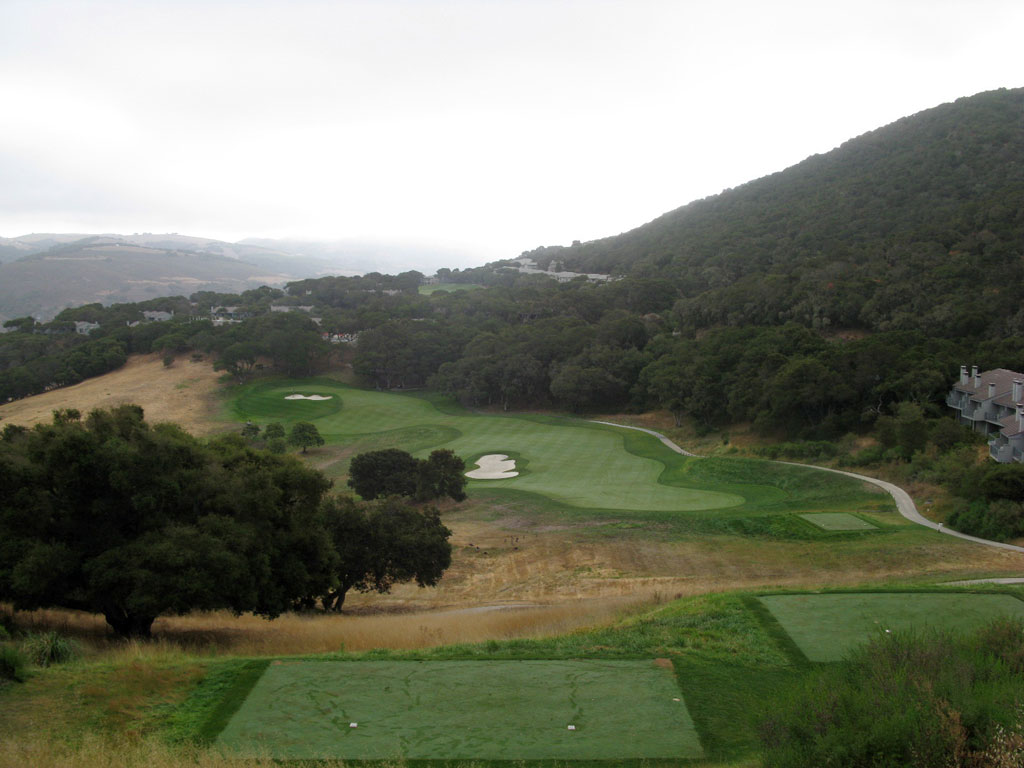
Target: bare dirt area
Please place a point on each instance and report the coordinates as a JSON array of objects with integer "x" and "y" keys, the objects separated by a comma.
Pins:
[{"x": 184, "y": 393}]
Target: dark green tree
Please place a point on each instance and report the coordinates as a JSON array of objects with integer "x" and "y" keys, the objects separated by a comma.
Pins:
[
  {"x": 251, "y": 430},
  {"x": 113, "y": 516},
  {"x": 388, "y": 472},
  {"x": 442, "y": 474},
  {"x": 383, "y": 543},
  {"x": 304, "y": 434},
  {"x": 239, "y": 360}
]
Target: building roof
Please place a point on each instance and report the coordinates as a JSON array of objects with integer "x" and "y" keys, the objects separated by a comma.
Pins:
[
  {"x": 1003, "y": 379},
  {"x": 1010, "y": 426}
]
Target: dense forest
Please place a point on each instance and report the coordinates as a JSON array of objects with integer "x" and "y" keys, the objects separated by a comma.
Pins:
[
  {"x": 917, "y": 225},
  {"x": 809, "y": 302}
]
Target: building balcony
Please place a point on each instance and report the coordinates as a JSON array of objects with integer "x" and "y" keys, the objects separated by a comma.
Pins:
[
  {"x": 1001, "y": 452},
  {"x": 955, "y": 401}
]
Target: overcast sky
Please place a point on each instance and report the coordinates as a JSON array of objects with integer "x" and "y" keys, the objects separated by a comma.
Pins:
[{"x": 491, "y": 125}]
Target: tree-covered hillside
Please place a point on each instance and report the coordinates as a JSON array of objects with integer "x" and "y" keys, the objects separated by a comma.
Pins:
[
  {"x": 917, "y": 225},
  {"x": 910, "y": 235}
]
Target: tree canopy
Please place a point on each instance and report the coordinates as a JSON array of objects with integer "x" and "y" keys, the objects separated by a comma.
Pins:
[
  {"x": 134, "y": 521},
  {"x": 394, "y": 472},
  {"x": 304, "y": 435},
  {"x": 383, "y": 543}
]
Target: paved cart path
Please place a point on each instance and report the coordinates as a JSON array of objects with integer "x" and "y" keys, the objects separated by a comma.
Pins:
[{"x": 904, "y": 503}]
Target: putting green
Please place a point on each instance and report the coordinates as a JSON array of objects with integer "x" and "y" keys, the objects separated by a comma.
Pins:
[
  {"x": 827, "y": 627},
  {"x": 838, "y": 521},
  {"x": 463, "y": 710},
  {"x": 577, "y": 463}
]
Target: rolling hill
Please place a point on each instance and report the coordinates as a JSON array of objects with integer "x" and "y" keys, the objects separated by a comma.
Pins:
[
  {"x": 110, "y": 269},
  {"x": 918, "y": 224}
]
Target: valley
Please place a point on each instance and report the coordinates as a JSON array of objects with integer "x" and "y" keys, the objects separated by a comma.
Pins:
[{"x": 587, "y": 581}]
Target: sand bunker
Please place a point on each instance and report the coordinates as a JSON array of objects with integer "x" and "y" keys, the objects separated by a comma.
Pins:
[
  {"x": 493, "y": 466},
  {"x": 308, "y": 397}
]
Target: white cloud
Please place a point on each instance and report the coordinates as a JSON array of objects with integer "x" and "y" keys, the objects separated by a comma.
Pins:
[{"x": 501, "y": 124}]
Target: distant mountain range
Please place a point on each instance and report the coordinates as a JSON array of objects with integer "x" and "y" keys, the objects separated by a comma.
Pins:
[{"x": 41, "y": 274}]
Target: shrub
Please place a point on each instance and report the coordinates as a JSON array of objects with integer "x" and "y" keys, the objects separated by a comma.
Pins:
[
  {"x": 12, "y": 664},
  {"x": 871, "y": 455},
  {"x": 904, "y": 701},
  {"x": 999, "y": 521},
  {"x": 808, "y": 449},
  {"x": 49, "y": 648}
]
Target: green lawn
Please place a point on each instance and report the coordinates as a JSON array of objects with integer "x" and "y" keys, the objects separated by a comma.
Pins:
[
  {"x": 452, "y": 710},
  {"x": 570, "y": 461},
  {"x": 838, "y": 521},
  {"x": 827, "y": 626}
]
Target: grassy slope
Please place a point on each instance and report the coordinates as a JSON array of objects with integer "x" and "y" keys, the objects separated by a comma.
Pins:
[{"x": 728, "y": 653}]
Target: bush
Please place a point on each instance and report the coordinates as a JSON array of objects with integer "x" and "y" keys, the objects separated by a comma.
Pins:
[
  {"x": 871, "y": 455},
  {"x": 808, "y": 449},
  {"x": 999, "y": 521},
  {"x": 905, "y": 701},
  {"x": 12, "y": 664},
  {"x": 49, "y": 648}
]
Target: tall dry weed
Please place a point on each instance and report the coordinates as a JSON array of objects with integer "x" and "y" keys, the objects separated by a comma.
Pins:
[
  {"x": 98, "y": 752},
  {"x": 221, "y": 632}
]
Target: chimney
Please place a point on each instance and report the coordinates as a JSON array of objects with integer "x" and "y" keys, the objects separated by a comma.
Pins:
[
  {"x": 963, "y": 375},
  {"x": 991, "y": 390},
  {"x": 976, "y": 376},
  {"x": 1018, "y": 390}
]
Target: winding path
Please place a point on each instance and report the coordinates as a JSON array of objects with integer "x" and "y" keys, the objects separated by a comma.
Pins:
[
  {"x": 658, "y": 435},
  {"x": 904, "y": 503}
]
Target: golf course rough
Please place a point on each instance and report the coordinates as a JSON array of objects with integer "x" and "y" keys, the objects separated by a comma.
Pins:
[
  {"x": 462, "y": 710},
  {"x": 826, "y": 627}
]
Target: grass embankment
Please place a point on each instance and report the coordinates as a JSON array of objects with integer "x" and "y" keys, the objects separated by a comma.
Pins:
[
  {"x": 729, "y": 654},
  {"x": 186, "y": 393},
  {"x": 711, "y": 631}
]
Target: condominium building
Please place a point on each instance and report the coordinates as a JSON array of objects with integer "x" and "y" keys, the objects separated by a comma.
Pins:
[{"x": 992, "y": 402}]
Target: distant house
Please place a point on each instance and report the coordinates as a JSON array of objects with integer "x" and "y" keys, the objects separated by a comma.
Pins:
[
  {"x": 84, "y": 327},
  {"x": 992, "y": 402},
  {"x": 340, "y": 338},
  {"x": 289, "y": 308},
  {"x": 152, "y": 316},
  {"x": 224, "y": 315},
  {"x": 529, "y": 266}
]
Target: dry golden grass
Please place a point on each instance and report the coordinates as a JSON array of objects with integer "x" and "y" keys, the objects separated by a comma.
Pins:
[
  {"x": 93, "y": 751},
  {"x": 221, "y": 632},
  {"x": 185, "y": 393},
  {"x": 555, "y": 582}
]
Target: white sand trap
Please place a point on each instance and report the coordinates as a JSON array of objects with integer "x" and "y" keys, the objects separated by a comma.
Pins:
[
  {"x": 308, "y": 397},
  {"x": 493, "y": 466}
]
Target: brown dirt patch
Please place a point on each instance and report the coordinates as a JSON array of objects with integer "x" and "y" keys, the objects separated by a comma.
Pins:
[
  {"x": 663, "y": 663},
  {"x": 185, "y": 393}
]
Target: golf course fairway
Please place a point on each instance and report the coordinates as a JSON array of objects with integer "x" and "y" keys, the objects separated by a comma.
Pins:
[{"x": 573, "y": 462}]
